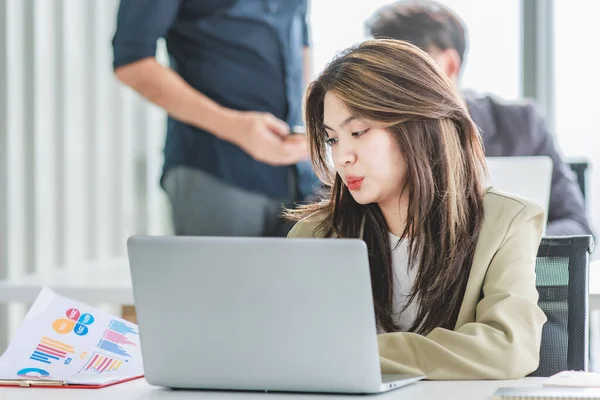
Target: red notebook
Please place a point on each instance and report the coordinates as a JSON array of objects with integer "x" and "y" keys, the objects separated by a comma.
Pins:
[{"x": 67, "y": 384}]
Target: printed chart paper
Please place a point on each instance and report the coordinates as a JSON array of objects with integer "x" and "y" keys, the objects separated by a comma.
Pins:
[{"x": 61, "y": 339}]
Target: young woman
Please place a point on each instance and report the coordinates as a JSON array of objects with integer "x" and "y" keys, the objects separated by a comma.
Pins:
[{"x": 452, "y": 262}]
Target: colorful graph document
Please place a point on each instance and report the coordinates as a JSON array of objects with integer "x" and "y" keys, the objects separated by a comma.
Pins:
[{"x": 65, "y": 341}]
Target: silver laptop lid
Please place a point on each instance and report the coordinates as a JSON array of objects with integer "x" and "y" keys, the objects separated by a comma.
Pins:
[{"x": 255, "y": 313}]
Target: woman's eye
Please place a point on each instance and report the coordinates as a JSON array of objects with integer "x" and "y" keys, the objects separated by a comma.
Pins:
[
  {"x": 359, "y": 133},
  {"x": 331, "y": 141}
]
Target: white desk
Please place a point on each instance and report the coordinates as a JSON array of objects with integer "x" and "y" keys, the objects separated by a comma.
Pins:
[
  {"x": 109, "y": 281},
  {"x": 98, "y": 282},
  {"x": 449, "y": 390}
]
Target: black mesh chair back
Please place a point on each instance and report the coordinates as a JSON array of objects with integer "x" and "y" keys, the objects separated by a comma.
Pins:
[{"x": 562, "y": 282}]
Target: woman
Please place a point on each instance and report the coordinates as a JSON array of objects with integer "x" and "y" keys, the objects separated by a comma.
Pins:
[{"x": 452, "y": 263}]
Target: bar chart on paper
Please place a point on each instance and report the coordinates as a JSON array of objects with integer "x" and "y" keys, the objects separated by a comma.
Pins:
[
  {"x": 49, "y": 350},
  {"x": 119, "y": 338},
  {"x": 101, "y": 363}
]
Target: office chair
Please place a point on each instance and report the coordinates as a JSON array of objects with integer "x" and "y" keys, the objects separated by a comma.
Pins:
[
  {"x": 562, "y": 281},
  {"x": 579, "y": 167}
]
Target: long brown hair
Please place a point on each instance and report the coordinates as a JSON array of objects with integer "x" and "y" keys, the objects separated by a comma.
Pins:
[{"x": 399, "y": 87}]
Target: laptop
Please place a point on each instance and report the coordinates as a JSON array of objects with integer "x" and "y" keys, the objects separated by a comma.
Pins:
[
  {"x": 526, "y": 177},
  {"x": 257, "y": 314}
]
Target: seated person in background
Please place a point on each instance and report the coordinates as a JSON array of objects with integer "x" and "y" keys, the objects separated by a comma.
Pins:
[
  {"x": 508, "y": 129},
  {"x": 452, "y": 263}
]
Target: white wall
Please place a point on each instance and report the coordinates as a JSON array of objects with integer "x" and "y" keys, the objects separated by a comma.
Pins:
[
  {"x": 577, "y": 85},
  {"x": 80, "y": 155},
  {"x": 494, "y": 57}
]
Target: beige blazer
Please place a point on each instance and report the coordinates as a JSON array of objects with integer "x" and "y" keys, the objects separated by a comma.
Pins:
[{"x": 499, "y": 327}]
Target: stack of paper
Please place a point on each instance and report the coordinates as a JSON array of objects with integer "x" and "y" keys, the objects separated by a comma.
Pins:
[
  {"x": 574, "y": 379},
  {"x": 564, "y": 385}
]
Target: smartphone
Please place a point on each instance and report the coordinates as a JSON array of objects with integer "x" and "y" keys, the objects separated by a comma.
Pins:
[{"x": 297, "y": 130}]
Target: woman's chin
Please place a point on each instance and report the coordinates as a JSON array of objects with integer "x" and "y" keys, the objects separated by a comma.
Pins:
[{"x": 361, "y": 198}]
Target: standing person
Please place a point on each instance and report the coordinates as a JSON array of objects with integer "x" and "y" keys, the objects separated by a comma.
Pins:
[{"x": 232, "y": 92}]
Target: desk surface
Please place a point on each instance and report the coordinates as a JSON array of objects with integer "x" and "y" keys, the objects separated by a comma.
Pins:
[
  {"x": 451, "y": 390},
  {"x": 109, "y": 281}
]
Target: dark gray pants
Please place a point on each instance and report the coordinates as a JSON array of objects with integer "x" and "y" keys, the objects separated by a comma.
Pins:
[{"x": 203, "y": 205}]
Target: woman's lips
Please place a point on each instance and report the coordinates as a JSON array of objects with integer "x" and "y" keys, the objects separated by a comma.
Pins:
[{"x": 354, "y": 183}]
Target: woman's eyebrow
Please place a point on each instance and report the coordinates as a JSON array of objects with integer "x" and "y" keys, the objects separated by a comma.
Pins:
[{"x": 343, "y": 124}]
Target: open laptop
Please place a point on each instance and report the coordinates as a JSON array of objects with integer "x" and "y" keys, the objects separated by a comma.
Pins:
[
  {"x": 264, "y": 314},
  {"x": 527, "y": 177}
]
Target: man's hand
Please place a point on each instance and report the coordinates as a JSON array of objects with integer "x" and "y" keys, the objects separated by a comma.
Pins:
[{"x": 265, "y": 137}]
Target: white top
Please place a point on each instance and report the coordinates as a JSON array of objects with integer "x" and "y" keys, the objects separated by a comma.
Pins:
[{"x": 404, "y": 279}]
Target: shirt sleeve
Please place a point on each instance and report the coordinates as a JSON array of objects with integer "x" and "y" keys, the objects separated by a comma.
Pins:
[{"x": 140, "y": 23}]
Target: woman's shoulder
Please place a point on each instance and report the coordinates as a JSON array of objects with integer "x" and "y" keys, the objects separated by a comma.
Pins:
[
  {"x": 310, "y": 226},
  {"x": 502, "y": 208}
]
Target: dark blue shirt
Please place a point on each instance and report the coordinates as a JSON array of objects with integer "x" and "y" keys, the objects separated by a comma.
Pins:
[{"x": 243, "y": 54}]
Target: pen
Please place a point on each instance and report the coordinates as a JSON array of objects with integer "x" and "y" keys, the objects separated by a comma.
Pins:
[{"x": 32, "y": 382}]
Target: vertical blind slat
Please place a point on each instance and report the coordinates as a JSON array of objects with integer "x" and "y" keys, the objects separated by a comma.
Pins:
[{"x": 44, "y": 137}]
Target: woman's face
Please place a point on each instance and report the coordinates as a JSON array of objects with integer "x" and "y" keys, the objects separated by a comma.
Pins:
[{"x": 367, "y": 158}]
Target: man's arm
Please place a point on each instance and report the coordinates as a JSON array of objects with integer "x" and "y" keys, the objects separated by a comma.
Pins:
[
  {"x": 134, "y": 47},
  {"x": 165, "y": 88},
  {"x": 566, "y": 214}
]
